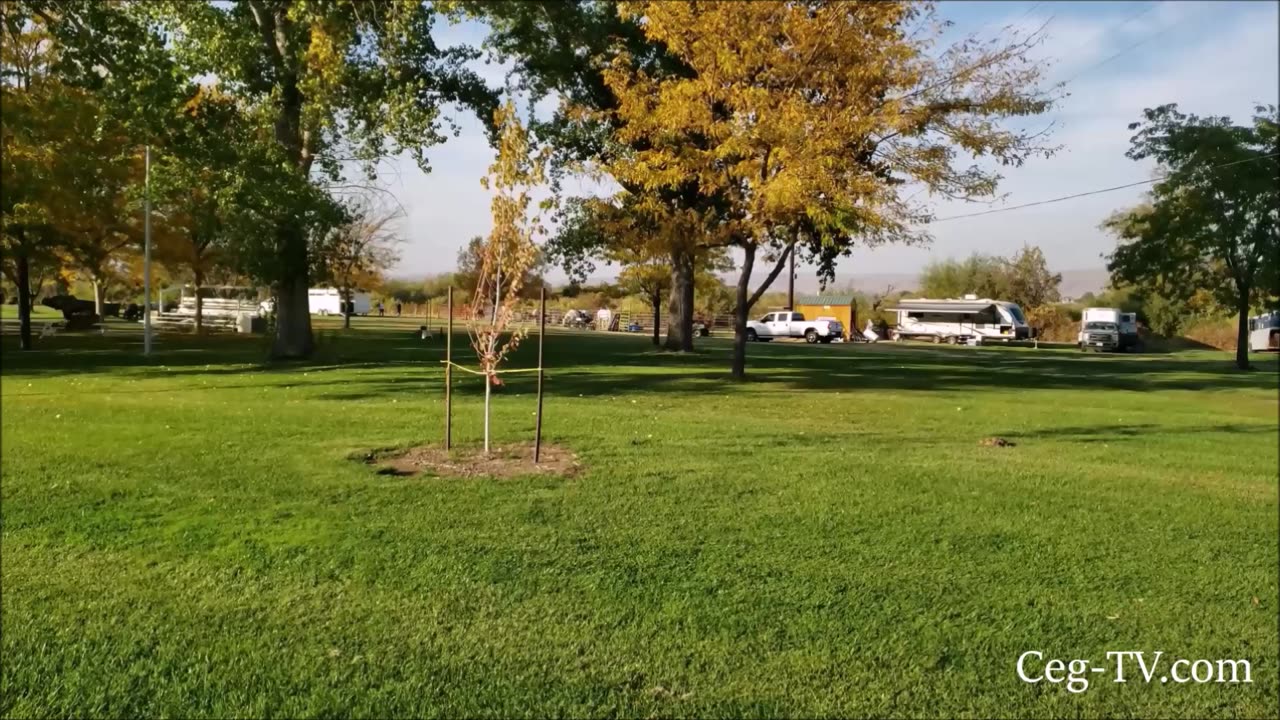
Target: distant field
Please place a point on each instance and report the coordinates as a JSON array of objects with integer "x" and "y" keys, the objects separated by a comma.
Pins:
[{"x": 188, "y": 536}]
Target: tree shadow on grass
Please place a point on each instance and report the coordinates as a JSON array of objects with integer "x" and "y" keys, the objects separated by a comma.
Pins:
[
  {"x": 1136, "y": 431},
  {"x": 590, "y": 365}
]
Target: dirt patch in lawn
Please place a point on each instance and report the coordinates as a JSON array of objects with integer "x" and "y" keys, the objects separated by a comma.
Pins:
[{"x": 507, "y": 461}]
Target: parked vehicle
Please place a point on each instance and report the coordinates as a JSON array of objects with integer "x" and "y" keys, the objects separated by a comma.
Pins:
[
  {"x": 1100, "y": 336},
  {"x": 783, "y": 324},
  {"x": 971, "y": 320},
  {"x": 328, "y": 301},
  {"x": 1264, "y": 332},
  {"x": 1126, "y": 328},
  {"x": 576, "y": 319}
]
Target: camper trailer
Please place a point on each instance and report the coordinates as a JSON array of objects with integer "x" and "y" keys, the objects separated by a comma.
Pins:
[
  {"x": 328, "y": 301},
  {"x": 971, "y": 320},
  {"x": 1264, "y": 332}
]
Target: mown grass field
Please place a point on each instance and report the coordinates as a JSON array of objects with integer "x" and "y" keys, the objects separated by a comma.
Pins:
[{"x": 188, "y": 537}]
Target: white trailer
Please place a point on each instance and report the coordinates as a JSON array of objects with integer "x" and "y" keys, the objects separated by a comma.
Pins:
[
  {"x": 1264, "y": 332},
  {"x": 971, "y": 320},
  {"x": 328, "y": 301}
]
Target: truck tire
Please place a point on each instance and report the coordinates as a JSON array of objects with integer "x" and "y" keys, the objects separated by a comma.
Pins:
[
  {"x": 752, "y": 336},
  {"x": 811, "y": 336}
]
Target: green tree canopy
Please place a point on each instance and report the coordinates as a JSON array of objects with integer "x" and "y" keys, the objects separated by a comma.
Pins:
[
  {"x": 329, "y": 84},
  {"x": 1213, "y": 221}
]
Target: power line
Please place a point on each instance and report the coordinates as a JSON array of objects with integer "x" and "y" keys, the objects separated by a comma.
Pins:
[
  {"x": 1113, "y": 28},
  {"x": 1129, "y": 49},
  {"x": 1091, "y": 192}
]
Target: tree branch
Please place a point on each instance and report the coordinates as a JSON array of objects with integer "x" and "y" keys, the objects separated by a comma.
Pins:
[{"x": 773, "y": 274}]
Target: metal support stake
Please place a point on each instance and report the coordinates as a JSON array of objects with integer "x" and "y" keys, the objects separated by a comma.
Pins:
[
  {"x": 542, "y": 334},
  {"x": 448, "y": 378}
]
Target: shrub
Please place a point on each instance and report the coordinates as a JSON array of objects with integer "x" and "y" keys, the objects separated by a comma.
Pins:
[{"x": 1054, "y": 323}]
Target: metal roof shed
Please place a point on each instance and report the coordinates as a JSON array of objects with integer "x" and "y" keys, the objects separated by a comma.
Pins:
[{"x": 842, "y": 307}]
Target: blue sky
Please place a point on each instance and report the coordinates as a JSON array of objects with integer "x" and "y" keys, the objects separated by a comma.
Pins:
[{"x": 1209, "y": 57}]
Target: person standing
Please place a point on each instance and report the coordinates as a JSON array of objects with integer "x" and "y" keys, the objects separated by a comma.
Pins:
[
  {"x": 604, "y": 317},
  {"x": 397, "y": 308},
  {"x": 381, "y": 312}
]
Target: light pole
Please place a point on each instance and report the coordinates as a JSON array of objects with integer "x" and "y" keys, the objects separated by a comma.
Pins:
[{"x": 146, "y": 255}]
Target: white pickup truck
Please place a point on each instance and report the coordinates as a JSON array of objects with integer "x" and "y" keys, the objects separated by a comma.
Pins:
[{"x": 784, "y": 324}]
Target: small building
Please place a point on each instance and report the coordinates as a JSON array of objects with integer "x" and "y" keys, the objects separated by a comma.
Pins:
[{"x": 841, "y": 307}]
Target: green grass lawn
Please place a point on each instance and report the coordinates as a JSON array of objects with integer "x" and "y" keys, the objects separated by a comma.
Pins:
[
  {"x": 39, "y": 314},
  {"x": 188, "y": 536}
]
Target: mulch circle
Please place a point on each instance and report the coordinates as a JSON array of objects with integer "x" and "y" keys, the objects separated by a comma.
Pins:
[{"x": 507, "y": 461}]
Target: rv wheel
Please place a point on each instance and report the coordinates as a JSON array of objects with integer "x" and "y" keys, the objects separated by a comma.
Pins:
[
  {"x": 936, "y": 339},
  {"x": 951, "y": 339}
]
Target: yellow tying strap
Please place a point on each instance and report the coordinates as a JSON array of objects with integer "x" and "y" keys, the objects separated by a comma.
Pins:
[{"x": 495, "y": 372}]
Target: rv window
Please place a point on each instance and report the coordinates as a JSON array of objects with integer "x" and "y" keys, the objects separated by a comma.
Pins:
[{"x": 915, "y": 315}]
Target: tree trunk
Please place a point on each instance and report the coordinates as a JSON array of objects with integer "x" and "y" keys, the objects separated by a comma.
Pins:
[
  {"x": 680, "y": 318},
  {"x": 1242, "y": 331},
  {"x": 198, "y": 281},
  {"x": 657, "y": 317},
  {"x": 99, "y": 293},
  {"x": 293, "y": 310},
  {"x": 24, "y": 296},
  {"x": 741, "y": 309}
]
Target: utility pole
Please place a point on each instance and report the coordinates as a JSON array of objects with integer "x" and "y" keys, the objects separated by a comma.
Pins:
[{"x": 146, "y": 256}]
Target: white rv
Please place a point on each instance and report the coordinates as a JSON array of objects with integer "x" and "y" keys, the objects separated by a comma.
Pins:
[
  {"x": 328, "y": 301},
  {"x": 971, "y": 320},
  {"x": 1264, "y": 332}
]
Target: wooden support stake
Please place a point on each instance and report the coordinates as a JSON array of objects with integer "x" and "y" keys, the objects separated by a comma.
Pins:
[
  {"x": 448, "y": 378},
  {"x": 542, "y": 334}
]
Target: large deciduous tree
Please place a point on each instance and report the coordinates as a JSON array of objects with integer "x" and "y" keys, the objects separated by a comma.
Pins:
[
  {"x": 979, "y": 274},
  {"x": 355, "y": 254},
  {"x": 330, "y": 82},
  {"x": 563, "y": 48},
  {"x": 1213, "y": 221},
  {"x": 199, "y": 188},
  {"x": 1024, "y": 278},
  {"x": 41, "y": 120},
  {"x": 1031, "y": 283},
  {"x": 651, "y": 281},
  {"x": 804, "y": 120},
  {"x": 641, "y": 230}
]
